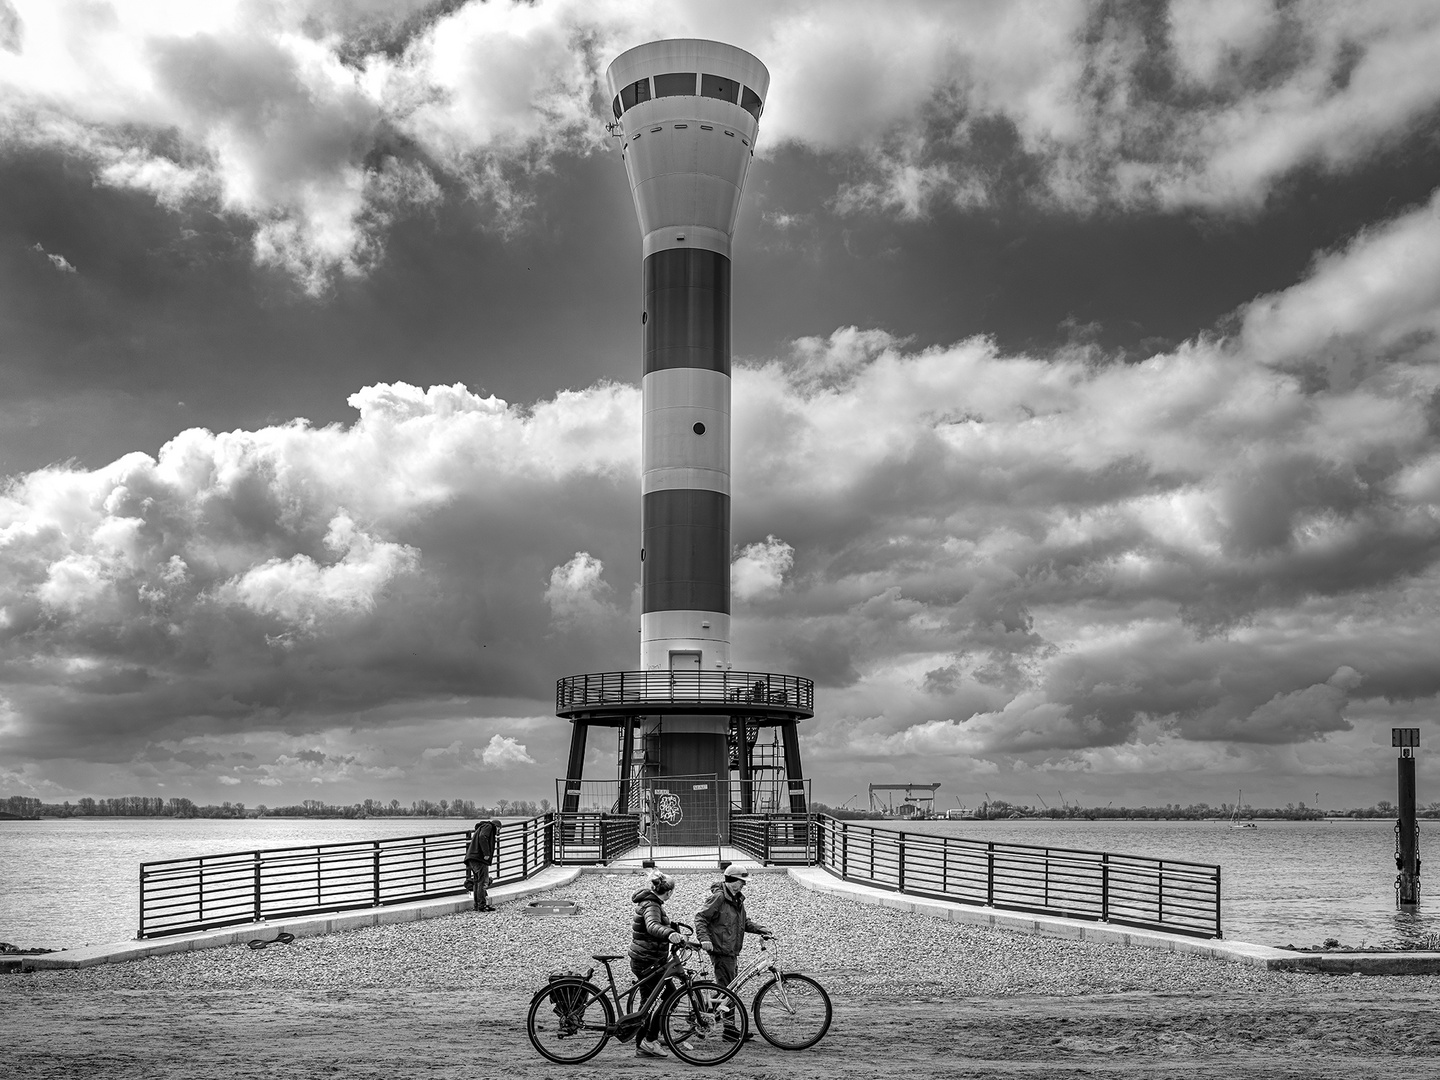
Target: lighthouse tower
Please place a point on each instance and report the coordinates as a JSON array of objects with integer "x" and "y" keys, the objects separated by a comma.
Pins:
[{"x": 686, "y": 113}]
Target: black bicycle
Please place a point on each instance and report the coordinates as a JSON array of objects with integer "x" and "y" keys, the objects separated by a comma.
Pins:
[{"x": 571, "y": 1019}]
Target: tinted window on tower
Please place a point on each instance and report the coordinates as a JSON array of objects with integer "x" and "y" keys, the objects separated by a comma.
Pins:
[
  {"x": 716, "y": 87},
  {"x": 750, "y": 102},
  {"x": 675, "y": 84},
  {"x": 634, "y": 93}
]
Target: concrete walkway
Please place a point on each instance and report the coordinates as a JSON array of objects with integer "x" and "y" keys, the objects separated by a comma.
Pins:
[
  {"x": 1335, "y": 963},
  {"x": 552, "y": 877},
  {"x": 809, "y": 877}
]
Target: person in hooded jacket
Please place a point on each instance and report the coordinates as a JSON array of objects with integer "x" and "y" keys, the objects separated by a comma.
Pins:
[
  {"x": 651, "y": 935},
  {"x": 478, "y": 856},
  {"x": 721, "y": 925}
]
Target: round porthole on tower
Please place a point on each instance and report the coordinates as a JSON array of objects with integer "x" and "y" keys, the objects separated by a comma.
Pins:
[{"x": 699, "y": 428}]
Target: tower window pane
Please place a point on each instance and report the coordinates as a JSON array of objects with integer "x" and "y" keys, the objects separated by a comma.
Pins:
[
  {"x": 716, "y": 87},
  {"x": 750, "y": 102},
  {"x": 675, "y": 84}
]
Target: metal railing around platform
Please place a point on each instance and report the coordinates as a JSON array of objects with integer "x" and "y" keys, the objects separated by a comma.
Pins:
[
  {"x": 712, "y": 690},
  {"x": 207, "y": 892},
  {"x": 776, "y": 839},
  {"x": 1131, "y": 890},
  {"x": 594, "y": 837}
]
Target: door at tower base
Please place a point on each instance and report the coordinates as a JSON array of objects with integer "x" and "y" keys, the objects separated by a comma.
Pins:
[{"x": 691, "y": 758}]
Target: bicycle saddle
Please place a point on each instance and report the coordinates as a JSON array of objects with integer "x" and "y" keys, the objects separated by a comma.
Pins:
[{"x": 603, "y": 959}]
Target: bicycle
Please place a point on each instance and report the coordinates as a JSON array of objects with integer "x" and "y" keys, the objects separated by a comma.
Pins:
[
  {"x": 792, "y": 1011},
  {"x": 694, "y": 1013}
]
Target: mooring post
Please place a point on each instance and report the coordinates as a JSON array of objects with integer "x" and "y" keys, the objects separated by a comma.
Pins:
[{"x": 1407, "y": 830}]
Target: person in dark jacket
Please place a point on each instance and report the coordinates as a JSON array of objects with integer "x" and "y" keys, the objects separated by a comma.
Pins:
[
  {"x": 651, "y": 935},
  {"x": 721, "y": 925},
  {"x": 478, "y": 857}
]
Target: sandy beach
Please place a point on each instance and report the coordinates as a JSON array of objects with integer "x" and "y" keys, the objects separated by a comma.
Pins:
[{"x": 913, "y": 996}]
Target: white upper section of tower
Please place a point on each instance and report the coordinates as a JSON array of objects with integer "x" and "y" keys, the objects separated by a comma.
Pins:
[{"x": 688, "y": 111}]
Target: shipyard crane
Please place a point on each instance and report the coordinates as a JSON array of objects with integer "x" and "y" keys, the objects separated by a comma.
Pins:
[{"x": 923, "y": 804}]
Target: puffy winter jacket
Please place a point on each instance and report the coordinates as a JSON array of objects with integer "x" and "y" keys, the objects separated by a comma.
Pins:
[
  {"x": 650, "y": 931},
  {"x": 723, "y": 922}
]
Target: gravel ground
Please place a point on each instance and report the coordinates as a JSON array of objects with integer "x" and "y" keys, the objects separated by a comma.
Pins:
[{"x": 853, "y": 948}]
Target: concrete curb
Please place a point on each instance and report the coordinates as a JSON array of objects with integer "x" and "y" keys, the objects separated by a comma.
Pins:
[
  {"x": 552, "y": 877},
  {"x": 1240, "y": 952}
]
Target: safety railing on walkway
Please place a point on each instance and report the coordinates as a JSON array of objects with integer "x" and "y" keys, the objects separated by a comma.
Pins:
[
  {"x": 179, "y": 896},
  {"x": 590, "y": 837},
  {"x": 776, "y": 839},
  {"x": 1131, "y": 890}
]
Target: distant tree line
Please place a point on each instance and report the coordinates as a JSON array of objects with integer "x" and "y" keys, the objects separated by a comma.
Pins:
[
  {"x": 1000, "y": 809},
  {"x": 23, "y": 806}
]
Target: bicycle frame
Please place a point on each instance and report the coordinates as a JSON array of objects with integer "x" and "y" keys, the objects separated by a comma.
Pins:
[
  {"x": 761, "y": 965},
  {"x": 674, "y": 969}
]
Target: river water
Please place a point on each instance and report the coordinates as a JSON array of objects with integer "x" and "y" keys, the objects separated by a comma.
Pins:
[{"x": 71, "y": 882}]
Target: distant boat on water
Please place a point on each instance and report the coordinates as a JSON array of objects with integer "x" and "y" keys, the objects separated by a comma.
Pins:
[{"x": 1235, "y": 822}]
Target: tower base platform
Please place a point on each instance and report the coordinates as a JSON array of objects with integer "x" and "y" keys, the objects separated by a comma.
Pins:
[{"x": 684, "y": 857}]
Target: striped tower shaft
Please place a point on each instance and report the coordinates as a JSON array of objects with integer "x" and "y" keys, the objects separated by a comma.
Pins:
[{"x": 688, "y": 111}]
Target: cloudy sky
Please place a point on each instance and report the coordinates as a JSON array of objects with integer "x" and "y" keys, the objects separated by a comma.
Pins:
[{"x": 1087, "y": 393}]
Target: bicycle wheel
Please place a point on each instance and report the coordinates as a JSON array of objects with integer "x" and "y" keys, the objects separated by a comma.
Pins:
[
  {"x": 570, "y": 1021},
  {"x": 696, "y": 1022},
  {"x": 792, "y": 1012}
]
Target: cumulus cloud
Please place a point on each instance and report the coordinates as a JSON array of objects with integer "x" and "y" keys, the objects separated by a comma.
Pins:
[
  {"x": 315, "y": 124},
  {"x": 304, "y": 574},
  {"x": 58, "y": 261},
  {"x": 760, "y": 568},
  {"x": 503, "y": 751},
  {"x": 577, "y": 592},
  {"x": 301, "y": 591}
]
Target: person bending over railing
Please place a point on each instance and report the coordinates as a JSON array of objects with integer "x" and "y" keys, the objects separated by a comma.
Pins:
[{"x": 479, "y": 854}]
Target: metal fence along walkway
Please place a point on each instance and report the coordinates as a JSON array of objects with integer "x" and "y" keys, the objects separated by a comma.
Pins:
[
  {"x": 179, "y": 896},
  {"x": 212, "y": 891},
  {"x": 1131, "y": 890}
]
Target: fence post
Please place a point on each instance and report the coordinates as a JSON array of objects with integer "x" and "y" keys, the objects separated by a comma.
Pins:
[
  {"x": 375, "y": 874},
  {"x": 990, "y": 873},
  {"x": 1217, "y": 902},
  {"x": 140, "y": 933},
  {"x": 1105, "y": 887},
  {"x": 900, "y": 863},
  {"x": 844, "y": 851},
  {"x": 1160, "y": 895},
  {"x": 259, "y": 914},
  {"x": 424, "y": 865},
  {"x": 945, "y": 865},
  {"x": 200, "y": 893}
]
